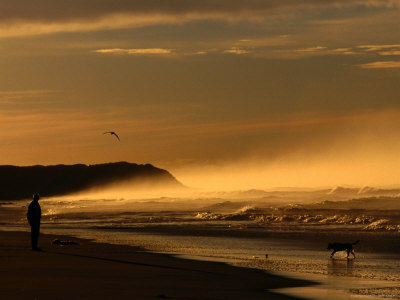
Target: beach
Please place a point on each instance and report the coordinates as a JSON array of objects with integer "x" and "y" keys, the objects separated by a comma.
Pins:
[
  {"x": 207, "y": 247},
  {"x": 92, "y": 270}
]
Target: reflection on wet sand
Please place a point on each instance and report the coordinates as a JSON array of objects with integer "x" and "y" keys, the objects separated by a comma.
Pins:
[{"x": 340, "y": 267}]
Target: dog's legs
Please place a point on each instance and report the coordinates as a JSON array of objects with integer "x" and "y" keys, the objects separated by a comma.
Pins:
[{"x": 348, "y": 253}]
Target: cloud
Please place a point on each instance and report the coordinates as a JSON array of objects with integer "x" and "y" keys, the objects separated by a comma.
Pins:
[
  {"x": 391, "y": 50},
  {"x": 266, "y": 41},
  {"x": 382, "y": 50},
  {"x": 345, "y": 51},
  {"x": 22, "y": 28},
  {"x": 24, "y": 17},
  {"x": 372, "y": 48},
  {"x": 381, "y": 65},
  {"x": 312, "y": 49},
  {"x": 235, "y": 50},
  {"x": 200, "y": 52},
  {"x": 390, "y": 53},
  {"x": 9, "y": 97},
  {"x": 264, "y": 47},
  {"x": 53, "y": 11},
  {"x": 321, "y": 50},
  {"x": 146, "y": 51}
]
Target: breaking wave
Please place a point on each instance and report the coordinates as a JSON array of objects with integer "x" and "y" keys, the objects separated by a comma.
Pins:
[
  {"x": 314, "y": 210},
  {"x": 367, "y": 222},
  {"x": 245, "y": 213}
]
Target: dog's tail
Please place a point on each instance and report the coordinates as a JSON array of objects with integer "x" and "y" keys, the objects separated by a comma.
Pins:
[{"x": 356, "y": 242}]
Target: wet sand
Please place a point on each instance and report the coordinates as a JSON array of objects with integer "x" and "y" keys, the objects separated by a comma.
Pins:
[{"x": 103, "y": 271}]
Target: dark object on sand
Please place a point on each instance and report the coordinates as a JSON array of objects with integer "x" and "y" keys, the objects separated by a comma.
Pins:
[
  {"x": 63, "y": 243},
  {"x": 266, "y": 255},
  {"x": 336, "y": 247}
]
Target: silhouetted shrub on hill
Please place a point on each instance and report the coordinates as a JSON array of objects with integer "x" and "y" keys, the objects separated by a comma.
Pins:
[{"x": 21, "y": 182}]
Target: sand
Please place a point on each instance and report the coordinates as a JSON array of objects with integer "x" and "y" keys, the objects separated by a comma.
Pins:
[{"x": 102, "y": 271}]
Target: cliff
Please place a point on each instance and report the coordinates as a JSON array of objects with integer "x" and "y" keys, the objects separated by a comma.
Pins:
[{"x": 21, "y": 182}]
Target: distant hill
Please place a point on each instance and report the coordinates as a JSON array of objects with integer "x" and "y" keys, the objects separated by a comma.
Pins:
[{"x": 21, "y": 182}]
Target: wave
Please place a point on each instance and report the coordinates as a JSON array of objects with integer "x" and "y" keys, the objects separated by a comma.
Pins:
[
  {"x": 382, "y": 225},
  {"x": 365, "y": 203},
  {"x": 243, "y": 214},
  {"x": 369, "y": 214},
  {"x": 366, "y": 191},
  {"x": 262, "y": 216}
]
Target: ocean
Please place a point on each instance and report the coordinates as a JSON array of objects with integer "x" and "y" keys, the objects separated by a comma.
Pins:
[{"x": 284, "y": 231}]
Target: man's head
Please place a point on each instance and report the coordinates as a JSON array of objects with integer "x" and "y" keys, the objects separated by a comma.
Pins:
[{"x": 36, "y": 197}]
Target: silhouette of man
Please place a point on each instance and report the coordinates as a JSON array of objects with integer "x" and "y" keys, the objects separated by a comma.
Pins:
[{"x": 34, "y": 215}]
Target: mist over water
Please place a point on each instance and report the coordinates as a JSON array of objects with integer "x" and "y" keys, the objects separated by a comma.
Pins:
[
  {"x": 366, "y": 208},
  {"x": 299, "y": 171},
  {"x": 364, "y": 152}
]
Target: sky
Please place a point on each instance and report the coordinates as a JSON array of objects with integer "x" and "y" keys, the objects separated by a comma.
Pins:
[{"x": 223, "y": 94}]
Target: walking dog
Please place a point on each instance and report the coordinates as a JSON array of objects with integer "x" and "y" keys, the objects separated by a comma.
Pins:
[{"x": 336, "y": 247}]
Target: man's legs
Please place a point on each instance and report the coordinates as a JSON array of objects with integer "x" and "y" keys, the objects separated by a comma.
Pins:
[{"x": 35, "y": 229}]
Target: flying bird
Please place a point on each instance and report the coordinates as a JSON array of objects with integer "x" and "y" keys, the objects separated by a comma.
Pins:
[{"x": 112, "y": 133}]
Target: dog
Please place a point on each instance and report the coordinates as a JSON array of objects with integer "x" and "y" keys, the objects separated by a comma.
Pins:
[
  {"x": 342, "y": 247},
  {"x": 63, "y": 243}
]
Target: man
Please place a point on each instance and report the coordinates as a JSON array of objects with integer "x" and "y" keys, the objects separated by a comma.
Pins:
[{"x": 34, "y": 215}]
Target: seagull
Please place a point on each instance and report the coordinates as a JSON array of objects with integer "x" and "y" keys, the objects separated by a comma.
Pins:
[{"x": 112, "y": 133}]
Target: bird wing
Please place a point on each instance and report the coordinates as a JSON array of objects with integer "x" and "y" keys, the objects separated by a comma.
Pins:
[{"x": 116, "y": 136}]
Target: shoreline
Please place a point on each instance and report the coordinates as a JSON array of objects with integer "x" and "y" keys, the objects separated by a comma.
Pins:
[
  {"x": 93, "y": 270},
  {"x": 294, "y": 252}
]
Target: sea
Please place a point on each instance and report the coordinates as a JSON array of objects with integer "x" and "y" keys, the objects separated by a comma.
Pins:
[{"x": 283, "y": 231}]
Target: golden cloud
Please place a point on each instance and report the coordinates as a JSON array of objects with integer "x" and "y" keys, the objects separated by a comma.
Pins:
[
  {"x": 108, "y": 22},
  {"x": 146, "y": 51},
  {"x": 371, "y": 48},
  {"x": 381, "y": 65},
  {"x": 237, "y": 51},
  {"x": 312, "y": 49},
  {"x": 390, "y": 53}
]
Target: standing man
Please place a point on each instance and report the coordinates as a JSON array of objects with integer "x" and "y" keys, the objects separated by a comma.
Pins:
[{"x": 34, "y": 215}]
